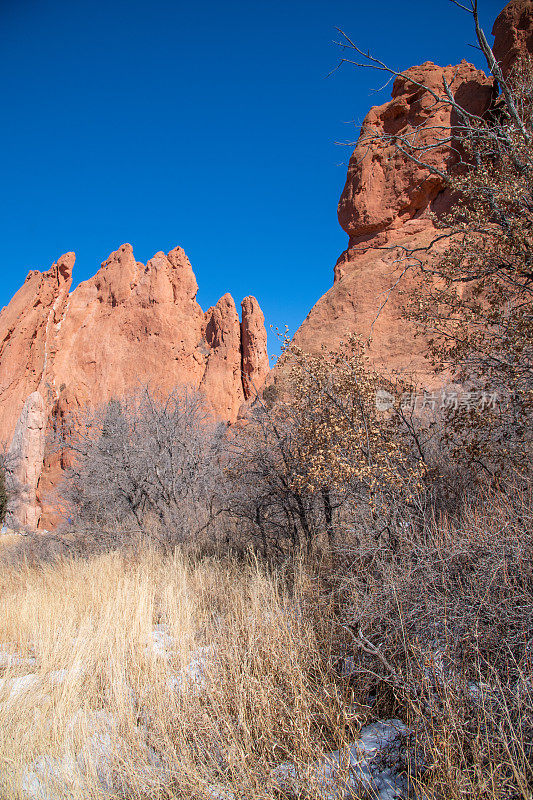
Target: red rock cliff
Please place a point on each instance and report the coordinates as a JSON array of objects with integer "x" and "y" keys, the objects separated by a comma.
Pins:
[
  {"x": 513, "y": 33},
  {"x": 131, "y": 323},
  {"x": 386, "y": 203}
]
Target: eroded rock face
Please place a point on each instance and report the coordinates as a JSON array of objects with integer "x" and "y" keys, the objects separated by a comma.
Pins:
[
  {"x": 25, "y": 463},
  {"x": 385, "y": 188},
  {"x": 222, "y": 376},
  {"x": 255, "y": 363},
  {"x": 385, "y": 208},
  {"x": 513, "y": 33},
  {"x": 29, "y": 330},
  {"x": 386, "y": 205},
  {"x": 128, "y": 325},
  {"x": 366, "y": 299}
]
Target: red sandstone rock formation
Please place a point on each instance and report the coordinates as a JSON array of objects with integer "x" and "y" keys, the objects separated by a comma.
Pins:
[
  {"x": 130, "y": 324},
  {"x": 255, "y": 364},
  {"x": 386, "y": 201},
  {"x": 513, "y": 33},
  {"x": 384, "y": 208},
  {"x": 25, "y": 460},
  {"x": 133, "y": 322},
  {"x": 29, "y": 327},
  {"x": 384, "y": 188},
  {"x": 222, "y": 376}
]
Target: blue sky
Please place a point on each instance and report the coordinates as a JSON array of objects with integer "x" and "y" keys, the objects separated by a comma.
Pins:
[{"x": 210, "y": 125}]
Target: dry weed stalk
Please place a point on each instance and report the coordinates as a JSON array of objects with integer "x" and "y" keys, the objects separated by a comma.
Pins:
[{"x": 245, "y": 683}]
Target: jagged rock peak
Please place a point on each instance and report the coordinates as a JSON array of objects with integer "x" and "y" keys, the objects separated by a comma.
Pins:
[
  {"x": 255, "y": 363},
  {"x": 60, "y": 271},
  {"x": 131, "y": 323},
  {"x": 165, "y": 278}
]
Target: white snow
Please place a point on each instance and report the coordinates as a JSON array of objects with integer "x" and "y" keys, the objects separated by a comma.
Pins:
[
  {"x": 369, "y": 765},
  {"x": 46, "y": 777},
  {"x": 21, "y": 684},
  {"x": 161, "y": 643},
  {"x": 193, "y": 677},
  {"x": 10, "y": 657},
  {"x": 25, "y": 683}
]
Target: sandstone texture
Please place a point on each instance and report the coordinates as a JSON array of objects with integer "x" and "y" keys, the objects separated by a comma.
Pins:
[
  {"x": 513, "y": 33},
  {"x": 388, "y": 203},
  {"x": 29, "y": 326},
  {"x": 255, "y": 363},
  {"x": 130, "y": 324},
  {"x": 385, "y": 188},
  {"x": 24, "y": 464}
]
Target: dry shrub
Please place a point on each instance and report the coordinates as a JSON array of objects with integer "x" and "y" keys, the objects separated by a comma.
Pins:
[
  {"x": 441, "y": 630},
  {"x": 257, "y": 682},
  {"x": 318, "y": 448},
  {"x": 432, "y": 625}
]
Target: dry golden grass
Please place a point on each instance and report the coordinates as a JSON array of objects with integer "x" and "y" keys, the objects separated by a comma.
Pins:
[
  {"x": 180, "y": 677},
  {"x": 9, "y": 539},
  {"x": 256, "y": 688}
]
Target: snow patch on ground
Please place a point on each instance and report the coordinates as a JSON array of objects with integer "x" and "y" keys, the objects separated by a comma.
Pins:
[
  {"x": 25, "y": 683},
  {"x": 46, "y": 777},
  {"x": 370, "y": 765},
  {"x": 49, "y": 778},
  {"x": 14, "y": 686},
  {"x": 160, "y": 643},
  {"x": 193, "y": 677},
  {"x": 10, "y": 657},
  {"x": 100, "y": 756}
]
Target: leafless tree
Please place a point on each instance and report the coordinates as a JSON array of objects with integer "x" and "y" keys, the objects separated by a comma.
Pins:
[
  {"x": 143, "y": 463},
  {"x": 263, "y": 458},
  {"x": 320, "y": 454}
]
